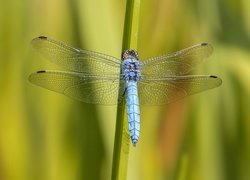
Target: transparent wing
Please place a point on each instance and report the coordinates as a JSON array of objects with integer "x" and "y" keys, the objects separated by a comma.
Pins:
[
  {"x": 93, "y": 89},
  {"x": 154, "y": 91},
  {"x": 76, "y": 60},
  {"x": 178, "y": 63}
]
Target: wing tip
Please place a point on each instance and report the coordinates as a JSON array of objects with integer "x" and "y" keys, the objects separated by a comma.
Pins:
[
  {"x": 30, "y": 78},
  {"x": 32, "y": 75},
  {"x": 219, "y": 80},
  {"x": 208, "y": 46},
  {"x": 34, "y": 40}
]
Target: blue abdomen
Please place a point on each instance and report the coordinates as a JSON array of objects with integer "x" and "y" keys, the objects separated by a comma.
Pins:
[{"x": 133, "y": 111}]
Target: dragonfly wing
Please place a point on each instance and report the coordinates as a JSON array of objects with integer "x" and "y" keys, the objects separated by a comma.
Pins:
[
  {"x": 154, "y": 91},
  {"x": 74, "y": 59},
  {"x": 93, "y": 89},
  {"x": 178, "y": 63}
]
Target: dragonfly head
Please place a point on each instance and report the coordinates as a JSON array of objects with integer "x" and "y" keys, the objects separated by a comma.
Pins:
[{"x": 127, "y": 53}]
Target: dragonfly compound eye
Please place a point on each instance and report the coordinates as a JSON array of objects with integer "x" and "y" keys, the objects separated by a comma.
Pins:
[{"x": 131, "y": 53}]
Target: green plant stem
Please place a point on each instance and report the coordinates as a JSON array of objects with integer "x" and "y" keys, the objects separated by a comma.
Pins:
[{"x": 122, "y": 139}]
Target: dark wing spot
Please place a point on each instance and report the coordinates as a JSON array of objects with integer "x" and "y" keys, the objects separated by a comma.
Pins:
[
  {"x": 41, "y": 71},
  {"x": 42, "y": 37},
  {"x": 212, "y": 76},
  {"x": 204, "y": 44}
]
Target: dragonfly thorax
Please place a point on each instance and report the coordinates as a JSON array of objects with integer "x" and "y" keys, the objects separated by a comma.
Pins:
[{"x": 131, "y": 69}]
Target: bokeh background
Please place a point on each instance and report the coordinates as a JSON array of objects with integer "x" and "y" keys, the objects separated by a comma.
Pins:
[{"x": 47, "y": 136}]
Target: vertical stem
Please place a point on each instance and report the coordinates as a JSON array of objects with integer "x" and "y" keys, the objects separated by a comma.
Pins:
[
  {"x": 131, "y": 25},
  {"x": 122, "y": 140}
]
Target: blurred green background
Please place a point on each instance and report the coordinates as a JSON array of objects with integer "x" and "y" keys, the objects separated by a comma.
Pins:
[{"x": 47, "y": 136}]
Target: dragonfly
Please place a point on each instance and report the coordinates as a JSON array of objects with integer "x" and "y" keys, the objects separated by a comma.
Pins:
[{"x": 97, "y": 78}]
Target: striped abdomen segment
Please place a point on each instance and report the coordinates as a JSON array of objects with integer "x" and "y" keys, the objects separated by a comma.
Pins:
[{"x": 133, "y": 111}]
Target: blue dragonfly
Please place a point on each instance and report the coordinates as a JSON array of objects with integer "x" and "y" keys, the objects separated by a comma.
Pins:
[{"x": 98, "y": 78}]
